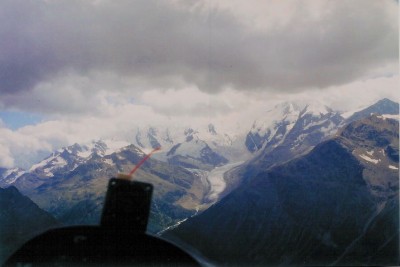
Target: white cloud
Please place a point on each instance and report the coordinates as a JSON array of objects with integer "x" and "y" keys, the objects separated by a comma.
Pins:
[
  {"x": 231, "y": 111},
  {"x": 190, "y": 101},
  {"x": 285, "y": 45},
  {"x": 6, "y": 160},
  {"x": 19, "y": 149},
  {"x": 98, "y": 69},
  {"x": 361, "y": 93}
]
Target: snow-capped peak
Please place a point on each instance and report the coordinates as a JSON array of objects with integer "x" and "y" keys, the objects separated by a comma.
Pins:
[
  {"x": 48, "y": 165},
  {"x": 288, "y": 107},
  {"x": 286, "y": 111},
  {"x": 276, "y": 125},
  {"x": 316, "y": 109},
  {"x": 99, "y": 147},
  {"x": 70, "y": 156},
  {"x": 10, "y": 176}
]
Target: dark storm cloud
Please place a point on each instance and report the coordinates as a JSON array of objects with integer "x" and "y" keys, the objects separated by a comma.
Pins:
[{"x": 160, "y": 44}]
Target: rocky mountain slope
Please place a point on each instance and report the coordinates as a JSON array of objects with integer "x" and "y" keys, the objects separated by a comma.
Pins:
[
  {"x": 71, "y": 184},
  {"x": 383, "y": 106},
  {"x": 199, "y": 147},
  {"x": 291, "y": 130},
  {"x": 294, "y": 125},
  {"x": 195, "y": 153},
  {"x": 9, "y": 176},
  {"x": 20, "y": 220},
  {"x": 287, "y": 131},
  {"x": 336, "y": 205}
]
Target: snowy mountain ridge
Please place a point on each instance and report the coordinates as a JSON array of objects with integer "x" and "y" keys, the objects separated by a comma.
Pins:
[
  {"x": 150, "y": 137},
  {"x": 298, "y": 126},
  {"x": 69, "y": 158},
  {"x": 274, "y": 127}
]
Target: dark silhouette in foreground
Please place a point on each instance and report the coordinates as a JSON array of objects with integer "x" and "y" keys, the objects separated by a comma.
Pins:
[{"x": 119, "y": 240}]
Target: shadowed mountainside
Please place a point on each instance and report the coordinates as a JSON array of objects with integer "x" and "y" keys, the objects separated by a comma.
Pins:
[
  {"x": 20, "y": 220},
  {"x": 319, "y": 209}
]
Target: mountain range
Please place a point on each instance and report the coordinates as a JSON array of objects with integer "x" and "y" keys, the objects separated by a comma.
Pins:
[
  {"x": 298, "y": 127},
  {"x": 336, "y": 205},
  {"x": 292, "y": 130},
  {"x": 68, "y": 185},
  {"x": 202, "y": 167}
]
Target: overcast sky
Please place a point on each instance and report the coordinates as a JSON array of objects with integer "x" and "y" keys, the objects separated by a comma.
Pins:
[{"x": 77, "y": 70}]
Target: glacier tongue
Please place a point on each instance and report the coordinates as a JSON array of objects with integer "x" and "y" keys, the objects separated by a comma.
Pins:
[{"x": 217, "y": 181}]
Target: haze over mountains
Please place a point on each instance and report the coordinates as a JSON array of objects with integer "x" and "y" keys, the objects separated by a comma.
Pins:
[{"x": 199, "y": 166}]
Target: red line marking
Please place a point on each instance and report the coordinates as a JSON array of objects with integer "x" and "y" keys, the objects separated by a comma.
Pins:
[{"x": 143, "y": 160}]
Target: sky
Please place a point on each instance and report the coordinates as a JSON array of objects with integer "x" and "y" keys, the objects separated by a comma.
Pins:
[{"x": 79, "y": 70}]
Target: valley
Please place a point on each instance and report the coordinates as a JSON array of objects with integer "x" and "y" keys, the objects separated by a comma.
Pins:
[{"x": 241, "y": 187}]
